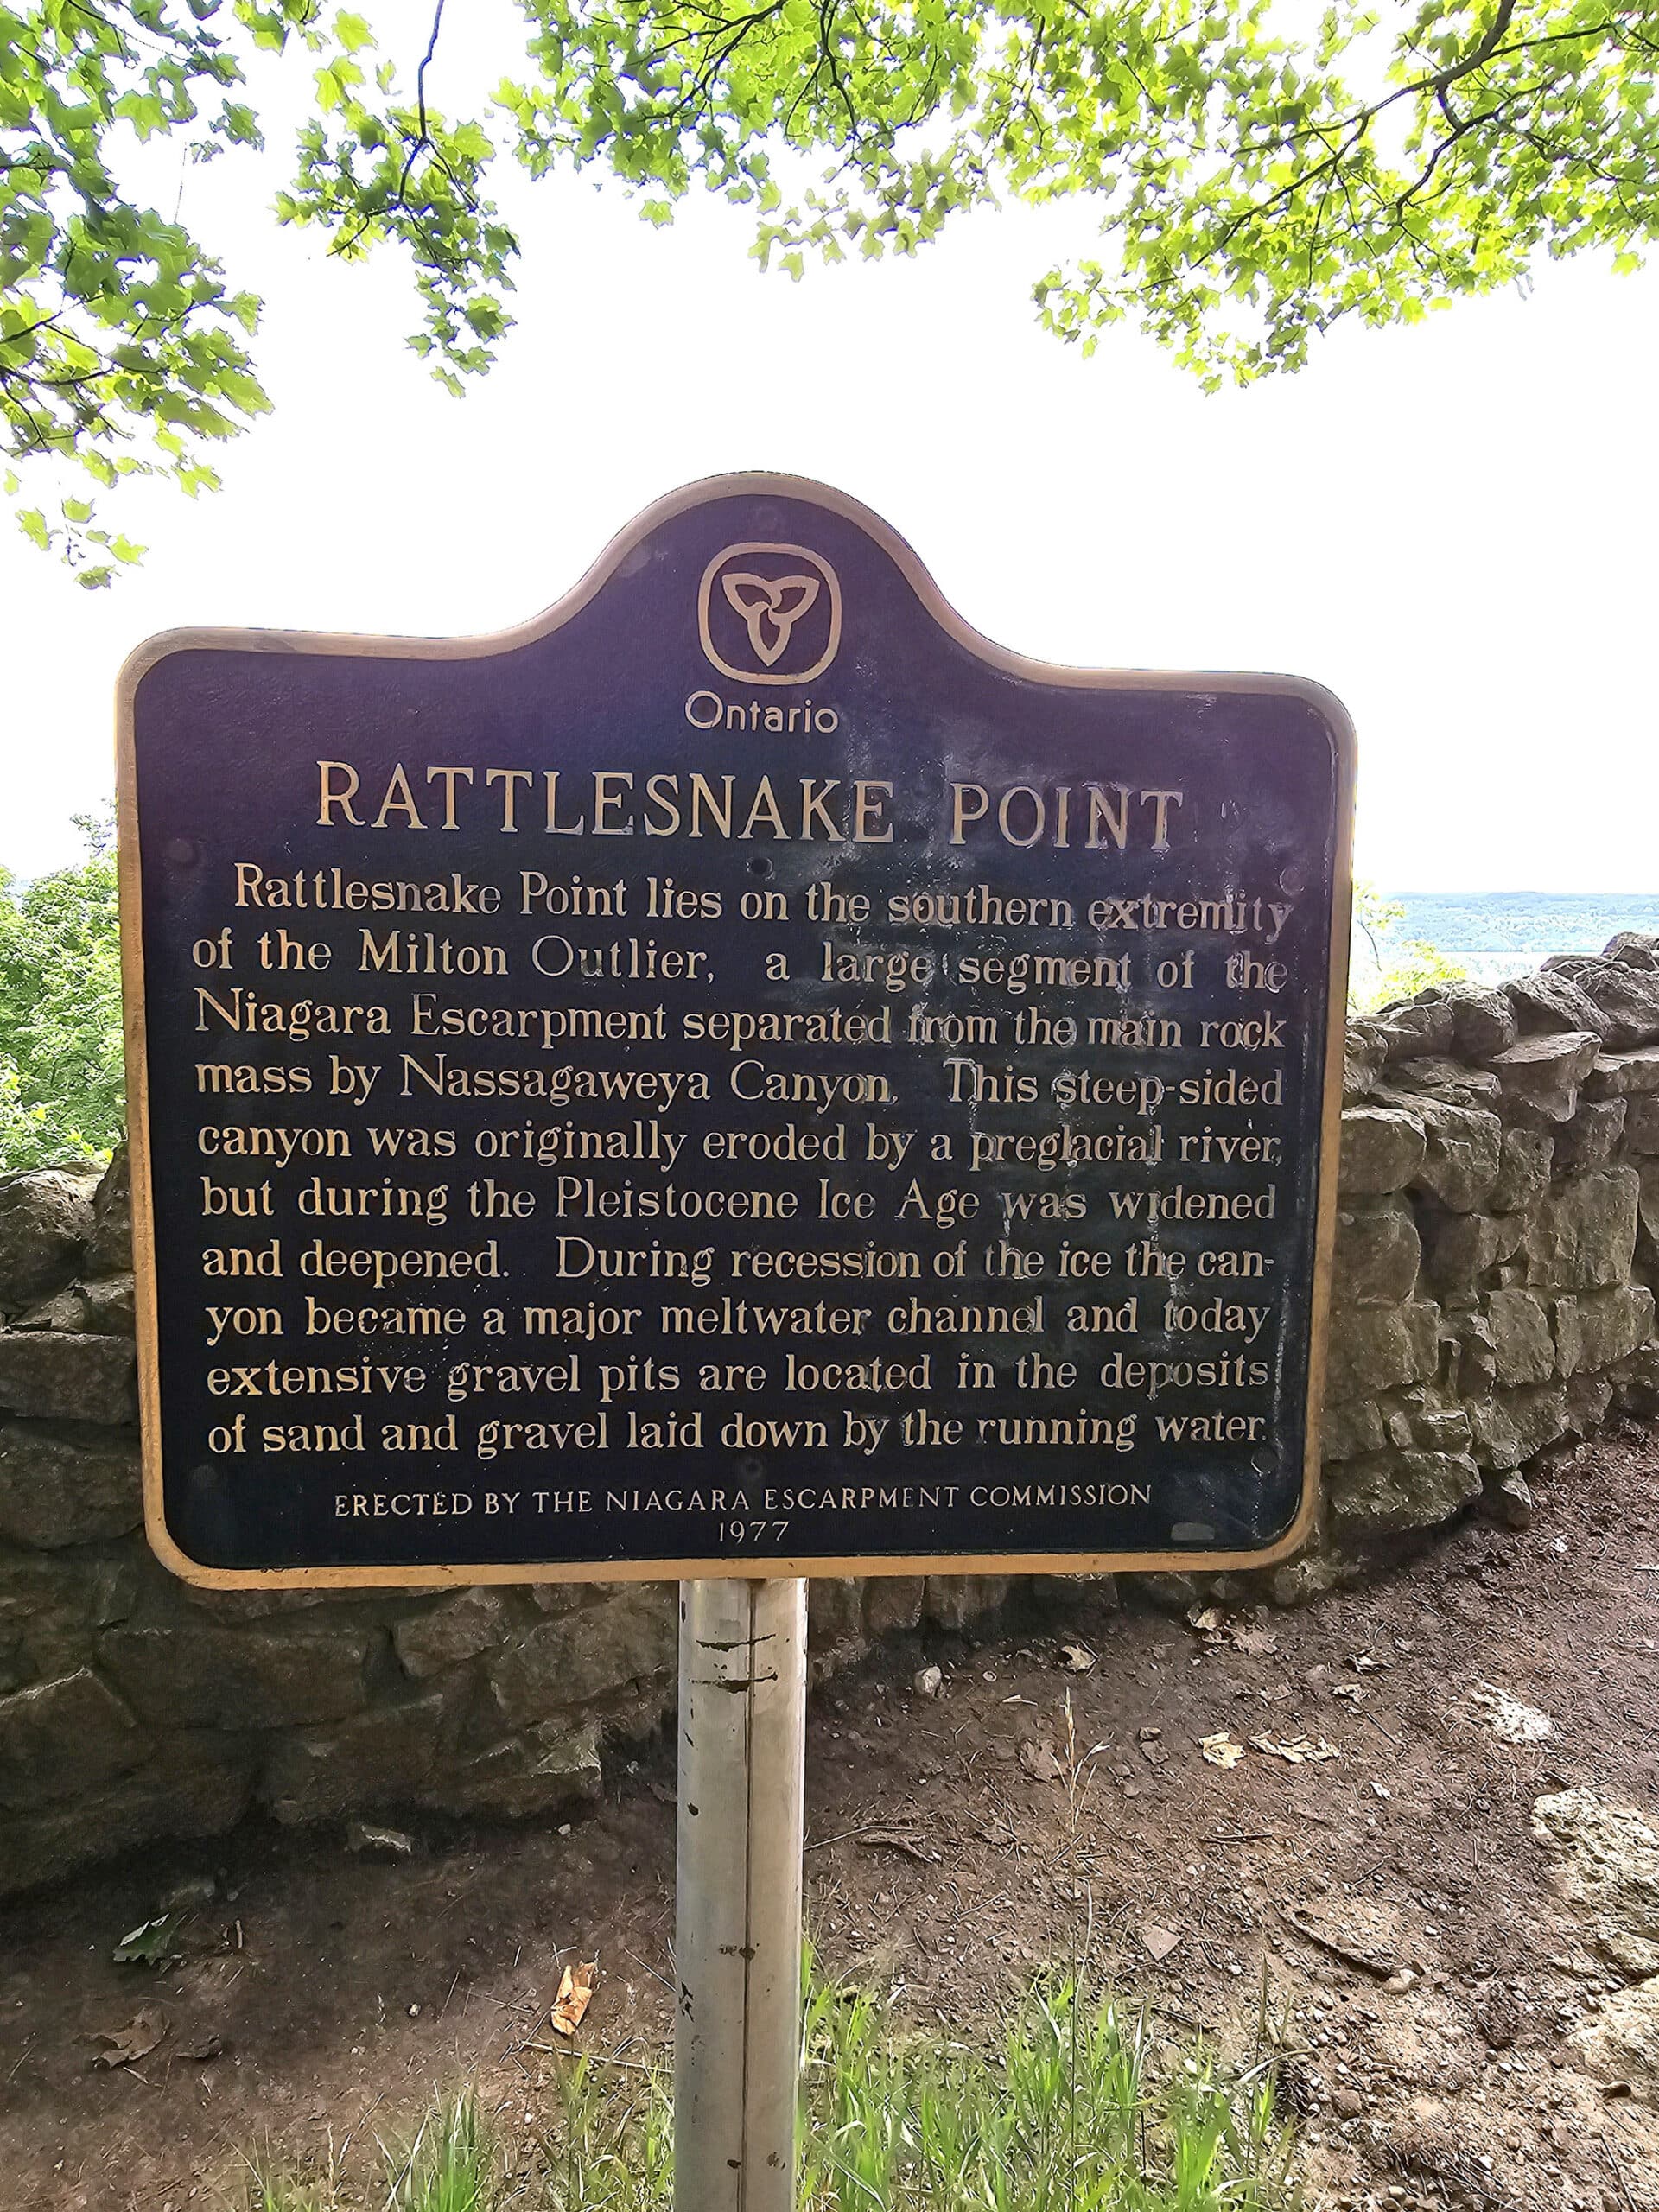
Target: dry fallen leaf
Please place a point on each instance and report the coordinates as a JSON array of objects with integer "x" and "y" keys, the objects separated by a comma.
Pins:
[
  {"x": 1299, "y": 1749},
  {"x": 1253, "y": 1642},
  {"x": 1205, "y": 1619},
  {"x": 137, "y": 2040},
  {"x": 1160, "y": 1940},
  {"x": 1040, "y": 1762},
  {"x": 1079, "y": 1659},
  {"x": 1220, "y": 1748},
  {"x": 576, "y": 1993}
]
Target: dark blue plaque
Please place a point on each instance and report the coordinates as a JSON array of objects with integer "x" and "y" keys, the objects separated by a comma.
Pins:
[{"x": 741, "y": 1075}]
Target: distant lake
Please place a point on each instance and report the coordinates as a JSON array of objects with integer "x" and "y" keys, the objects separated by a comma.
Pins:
[{"x": 1492, "y": 934}]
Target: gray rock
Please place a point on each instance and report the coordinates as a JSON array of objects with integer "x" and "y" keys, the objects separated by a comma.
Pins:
[
  {"x": 65, "y": 1309},
  {"x": 1170, "y": 1592},
  {"x": 1482, "y": 1022},
  {"x": 1589, "y": 1400},
  {"x": 99, "y": 1309},
  {"x": 1628, "y": 997},
  {"x": 1647, "y": 1203},
  {"x": 952, "y": 1601},
  {"x": 1410, "y": 1029},
  {"x": 379, "y": 1760},
  {"x": 1603, "y": 1857},
  {"x": 1387, "y": 1493},
  {"x": 1637, "y": 1381},
  {"x": 1523, "y": 1170},
  {"x": 67, "y": 1485},
  {"x": 1380, "y": 1348},
  {"x": 48, "y": 1605},
  {"x": 1621, "y": 2045},
  {"x": 1362, "y": 1061},
  {"x": 190, "y": 1674},
  {"x": 108, "y": 1305},
  {"x": 1378, "y": 1252},
  {"x": 1641, "y": 1125},
  {"x": 1460, "y": 1159},
  {"x": 48, "y": 1377},
  {"x": 453, "y": 1631},
  {"x": 366, "y": 1839},
  {"x": 893, "y": 1602},
  {"x": 1511, "y": 1426},
  {"x": 609, "y": 1648},
  {"x": 1476, "y": 1368},
  {"x": 835, "y": 1613},
  {"x": 1548, "y": 1002},
  {"x": 1510, "y": 1498},
  {"x": 1582, "y": 1237},
  {"x": 195, "y": 1787},
  {"x": 1591, "y": 1137},
  {"x": 1543, "y": 1073},
  {"x": 45, "y": 1220},
  {"x": 1065, "y": 1593},
  {"x": 1633, "y": 948},
  {"x": 1594, "y": 1328},
  {"x": 59, "y": 1739},
  {"x": 1346, "y": 1431},
  {"x": 1523, "y": 1349},
  {"x": 1313, "y": 1574},
  {"x": 1436, "y": 1428},
  {"x": 1463, "y": 1246},
  {"x": 1623, "y": 1075},
  {"x": 109, "y": 1248},
  {"x": 1438, "y": 1078},
  {"x": 547, "y": 1767},
  {"x": 1382, "y": 1150}
]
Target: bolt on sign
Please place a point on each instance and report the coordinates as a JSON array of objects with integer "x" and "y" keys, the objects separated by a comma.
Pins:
[{"x": 741, "y": 1075}]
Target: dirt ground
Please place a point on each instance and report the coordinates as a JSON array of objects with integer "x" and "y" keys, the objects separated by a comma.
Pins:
[{"x": 1389, "y": 1908}]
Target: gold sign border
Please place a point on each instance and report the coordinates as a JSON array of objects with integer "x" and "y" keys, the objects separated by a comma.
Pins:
[
  {"x": 765, "y": 484},
  {"x": 705, "y": 635}
]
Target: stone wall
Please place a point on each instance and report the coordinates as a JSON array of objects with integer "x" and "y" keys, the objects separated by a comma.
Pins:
[
  {"x": 1499, "y": 1214},
  {"x": 1498, "y": 1208}
]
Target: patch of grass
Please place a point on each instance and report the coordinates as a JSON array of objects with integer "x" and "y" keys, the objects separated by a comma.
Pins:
[
  {"x": 1074, "y": 2108},
  {"x": 445, "y": 2169},
  {"x": 1070, "y": 2113}
]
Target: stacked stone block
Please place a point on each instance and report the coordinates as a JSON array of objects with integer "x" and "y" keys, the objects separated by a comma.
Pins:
[{"x": 1494, "y": 1264}]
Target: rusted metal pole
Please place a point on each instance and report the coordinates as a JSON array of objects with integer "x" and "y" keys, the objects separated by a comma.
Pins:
[{"x": 742, "y": 1752}]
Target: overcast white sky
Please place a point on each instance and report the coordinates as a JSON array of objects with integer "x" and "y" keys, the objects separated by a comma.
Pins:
[{"x": 1452, "y": 527}]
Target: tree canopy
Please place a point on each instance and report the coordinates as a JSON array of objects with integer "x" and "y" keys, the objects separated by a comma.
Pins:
[
  {"x": 62, "y": 1078},
  {"x": 1260, "y": 173}
]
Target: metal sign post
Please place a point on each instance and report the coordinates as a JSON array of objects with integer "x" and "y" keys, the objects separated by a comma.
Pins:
[{"x": 742, "y": 1750}]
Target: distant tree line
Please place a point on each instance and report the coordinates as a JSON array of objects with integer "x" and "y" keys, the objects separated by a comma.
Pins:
[{"x": 62, "y": 1074}]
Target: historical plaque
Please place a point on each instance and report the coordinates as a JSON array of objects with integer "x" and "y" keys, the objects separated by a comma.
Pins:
[{"x": 741, "y": 1074}]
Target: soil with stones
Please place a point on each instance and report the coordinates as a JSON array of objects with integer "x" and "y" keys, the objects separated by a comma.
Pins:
[{"x": 1437, "y": 1988}]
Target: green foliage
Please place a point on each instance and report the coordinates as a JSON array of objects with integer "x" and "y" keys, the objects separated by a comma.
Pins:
[
  {"x": 1073, "y": 2109},
  {"x": 1385, "y": 966},
  {"x": 1258, "y": 173},
  {"x": 62, "y": 1076}
]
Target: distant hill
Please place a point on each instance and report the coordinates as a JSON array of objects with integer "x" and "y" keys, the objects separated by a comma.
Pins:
[{"x": 1492, "y": 934}]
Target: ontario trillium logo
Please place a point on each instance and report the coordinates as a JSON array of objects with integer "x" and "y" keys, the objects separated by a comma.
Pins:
[{"x": 769, "y": 613}]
